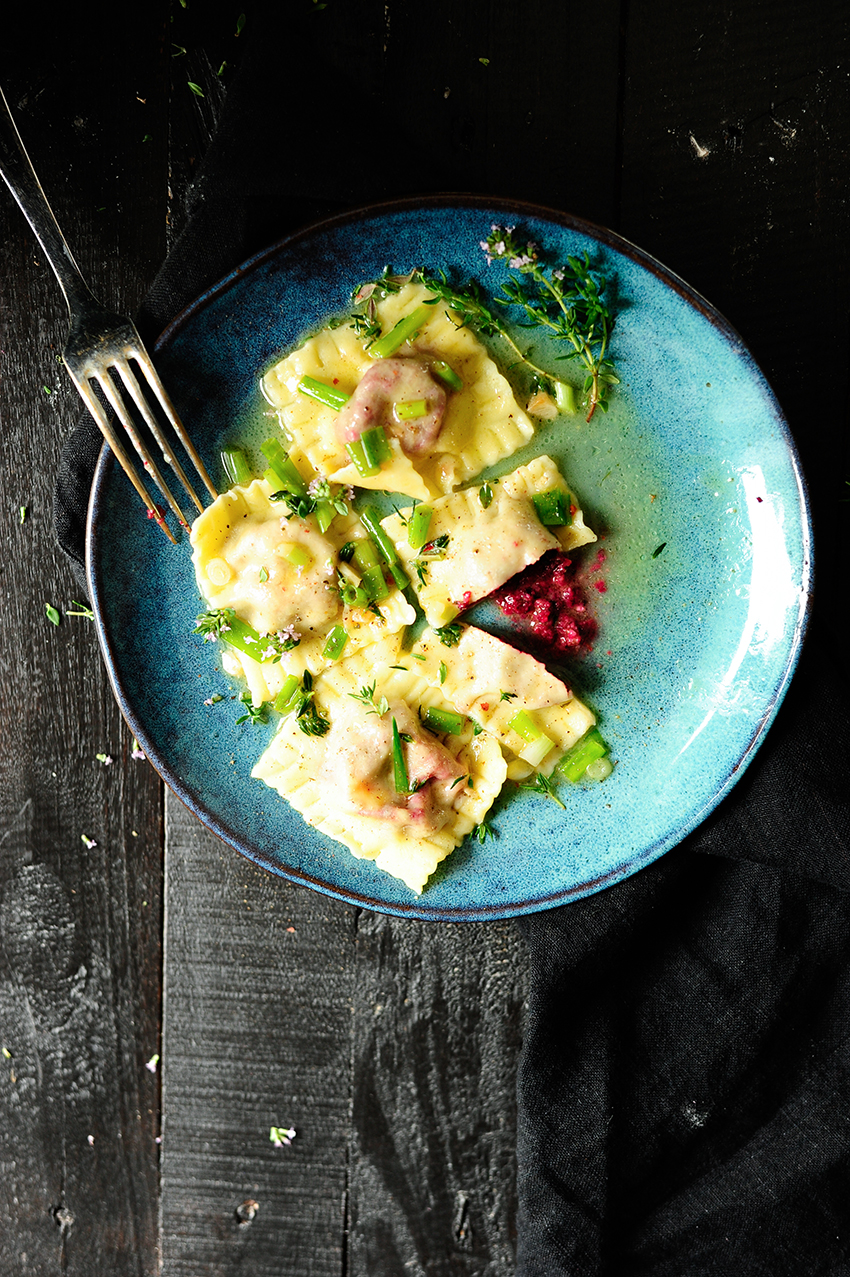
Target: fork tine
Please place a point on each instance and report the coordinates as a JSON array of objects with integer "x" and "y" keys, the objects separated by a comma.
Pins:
[
  {"x": 144, "y": 362},
  {"x": 132, "y": 385},
  {"x": 110, "y": 390},
  {"x": 95, "y": 407}
]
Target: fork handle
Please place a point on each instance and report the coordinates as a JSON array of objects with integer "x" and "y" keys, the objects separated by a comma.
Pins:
[{"x": 20, "y": 176}]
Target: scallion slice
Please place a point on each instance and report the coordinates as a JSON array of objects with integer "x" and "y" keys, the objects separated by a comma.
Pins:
[
  {"x": 524, "y": 726},
  {"x": 410, "y": 409},
  {"x": 374, "y": 583},
  {"x": 283, "y": 469},
  {"x": 397, "y": 336},
  {"x": 534, "y": 753},
  {"x": 235, "y": 465},
  {"x": 372, "y": 524},
  {"x": 365, "y": 468},
  {"x": 447, "y": 374},
  {"x": 565, "y": 397},
  {"x": 575, "y": 762},
  {"x": 553, "y": 507},
  {"x": 376, "y": 446},
  {"x": 443, "y": 720},
  {"x": 285, "y": 699},
  {"x": 400, "y": 777},
  {"x": 418, "y": 525},
  {"x": 323, "y": 393},
  {"x": 336, "y": 641}
]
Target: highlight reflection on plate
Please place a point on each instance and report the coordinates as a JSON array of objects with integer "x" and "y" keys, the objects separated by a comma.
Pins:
[{"x": 697, "y": 641}]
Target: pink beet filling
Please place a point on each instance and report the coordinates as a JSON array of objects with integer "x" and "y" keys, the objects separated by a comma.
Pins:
[{"x": 549, "y": 603}]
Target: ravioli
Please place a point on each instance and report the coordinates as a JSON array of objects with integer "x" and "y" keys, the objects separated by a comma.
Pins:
[
  {"x": 242, "y": 550},
  {"x": 318, "y": 782},
  {"x": 484, "y": 677},
  {"x": 483, "y": 423},
  {"x": 485, "y": 545}
]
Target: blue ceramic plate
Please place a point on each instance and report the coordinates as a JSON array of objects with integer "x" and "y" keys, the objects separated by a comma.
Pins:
[{"x": 697, "y": 641}]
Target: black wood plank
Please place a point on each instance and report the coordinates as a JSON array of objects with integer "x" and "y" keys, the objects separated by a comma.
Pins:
[
  {"x": 435, "y": 1042},
  {"x": 735, "y": 174},
  {"x": 258, "y": 1018},
  {"x": 80, "y": 922}
]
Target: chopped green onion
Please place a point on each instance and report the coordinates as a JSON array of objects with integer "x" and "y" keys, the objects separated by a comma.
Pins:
[
  {"x": 372, "y": 524},
  {"x": 323, "y": 393},
  {"x": 410, "y": 409},
  {"x": 365, "y": 554},
  {"x": 285, "y": 699},
  {"x": 376, "y": 446},
  {"x": 418, "y": 525},
  {"x": 336, "y": 641},
  {"x": 537, "y": 750},
  {"x": 400, "y": 777},
  {"x": 565, "y": 397},
  {"x": 346, "y": 553},
  {"x": 375, "y": 584},
  {"x": 285, "y": 473},
  {"x": 553, "y": 507},
  {"x": 524, "y": 726},
  {"x": 575, "y": 762},
  {"x": 235, "y": 465},
  {"x": 296, "y": 554},
  {"x": 443, "y": 720},
  {"x": 365, "y": 468},
  {"x": 397, "y": 336},
  {"x": 447, "y": 375}
]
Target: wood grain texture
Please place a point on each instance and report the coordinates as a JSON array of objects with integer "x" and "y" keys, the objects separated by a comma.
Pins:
[
  {"x": 735, "y": 153},
  {"x": 80, "y": 924},
  {"x": 258, "y": 1012},
  {"x": 435, "y": 1040}
]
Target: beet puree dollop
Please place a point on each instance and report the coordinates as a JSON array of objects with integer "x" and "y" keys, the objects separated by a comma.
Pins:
[{"x": 549, "y": 603}]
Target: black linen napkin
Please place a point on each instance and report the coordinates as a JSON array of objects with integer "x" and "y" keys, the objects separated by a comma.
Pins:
[
  {"x": 683, "y": 1093},
  {"x": 683, "y": 1087}
]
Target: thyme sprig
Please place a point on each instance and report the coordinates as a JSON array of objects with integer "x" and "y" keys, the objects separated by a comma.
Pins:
[
  {"x": 257, "y": 714},
  {"x": 543, "y": 785},
  {"x": 569, "y": 301},
  {"x": 449, "y": 635},
  {"x": 308, "y": 717},
  {"x": 320, "y": 490},
  {"x": 366, "y": 696}
]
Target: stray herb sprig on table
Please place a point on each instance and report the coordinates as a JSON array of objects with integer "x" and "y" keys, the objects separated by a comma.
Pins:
[{"x": 568, "y": 301}]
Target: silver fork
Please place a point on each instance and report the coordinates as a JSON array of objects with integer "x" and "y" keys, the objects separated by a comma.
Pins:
[{"x": 104, "y": 350}]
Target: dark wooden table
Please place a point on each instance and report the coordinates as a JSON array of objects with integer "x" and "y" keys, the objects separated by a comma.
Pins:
[{"x": 716, "y": 137}]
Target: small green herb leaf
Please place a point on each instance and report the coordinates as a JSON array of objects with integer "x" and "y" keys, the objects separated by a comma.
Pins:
[
  {"x": 543, "y": 785},
  {"x": 449, "y": 635},
  {"x": 51, "y": 613}
]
